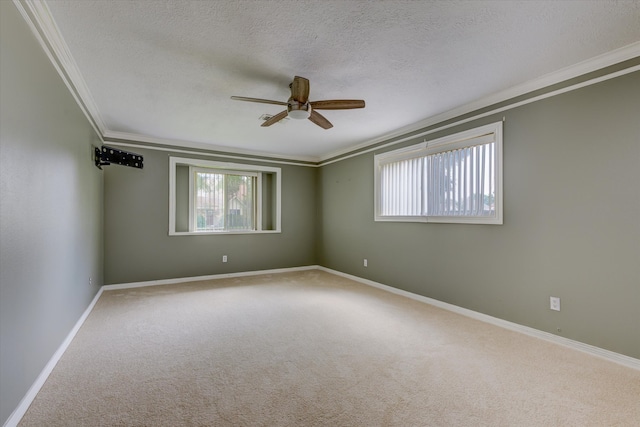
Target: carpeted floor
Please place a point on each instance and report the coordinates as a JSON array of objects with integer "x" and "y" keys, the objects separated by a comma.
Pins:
[{"x": 314, "y": 349}]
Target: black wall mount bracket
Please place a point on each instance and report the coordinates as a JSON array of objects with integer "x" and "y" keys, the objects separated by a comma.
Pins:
[{"x": 106, "y": 155}]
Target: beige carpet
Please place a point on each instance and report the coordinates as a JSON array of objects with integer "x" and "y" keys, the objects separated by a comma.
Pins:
[{"x": 314, "y": 349}]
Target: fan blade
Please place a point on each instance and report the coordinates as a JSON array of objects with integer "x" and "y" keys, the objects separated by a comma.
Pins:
[
  {"x": 320, "y": 120},
  {"x": 300, "y": 89},
  {"x": 263, "y": 101},
  {"x": 275, "y": 119},
  {"x": 337, "y": 104}
]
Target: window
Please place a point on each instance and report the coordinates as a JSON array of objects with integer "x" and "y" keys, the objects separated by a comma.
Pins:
[
  {"x": 208, "y": 197},
  {"x": 457, "y": 178},
  {"x": 222, "y": 200}
]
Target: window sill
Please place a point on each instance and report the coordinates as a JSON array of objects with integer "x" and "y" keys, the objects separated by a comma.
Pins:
[
  {"x": 220, "y": 233},
  {"x": 441, "y": 219}
]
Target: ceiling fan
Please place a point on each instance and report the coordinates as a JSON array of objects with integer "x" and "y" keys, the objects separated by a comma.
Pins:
[{"x": 299, "y": 106}]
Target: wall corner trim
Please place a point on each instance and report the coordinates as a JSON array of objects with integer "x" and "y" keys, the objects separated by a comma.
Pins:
[{"x": 611, "y": 356}]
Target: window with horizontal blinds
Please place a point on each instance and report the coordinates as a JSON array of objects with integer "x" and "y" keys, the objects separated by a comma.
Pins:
[{"x": 457, "y": 178}]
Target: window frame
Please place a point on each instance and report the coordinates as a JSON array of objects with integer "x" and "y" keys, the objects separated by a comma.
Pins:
[
  {"x": 224, "y": 167},
  {"x": 472, "y": 137}
]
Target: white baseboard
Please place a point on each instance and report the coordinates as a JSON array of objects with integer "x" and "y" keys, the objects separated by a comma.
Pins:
[
  {"x": 621, "y": 359},
  {"x": 26, "y": 401},
  {"x": 210, "y": 277}
]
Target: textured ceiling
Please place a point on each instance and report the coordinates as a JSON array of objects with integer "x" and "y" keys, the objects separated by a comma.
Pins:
[{"x": 166, "y": 69}]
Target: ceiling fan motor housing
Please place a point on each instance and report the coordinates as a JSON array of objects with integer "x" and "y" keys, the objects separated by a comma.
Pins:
[{"x": 297, "y": 110}]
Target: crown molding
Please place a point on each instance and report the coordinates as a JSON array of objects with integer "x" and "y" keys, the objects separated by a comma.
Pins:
[
  {"x": 211, "y": 154},
  {"x": 433, "y": 129},
  {"x": 126, "y": 137},
  {"x": 38, "y": 16},
  {"x": 596, "y": 63}
]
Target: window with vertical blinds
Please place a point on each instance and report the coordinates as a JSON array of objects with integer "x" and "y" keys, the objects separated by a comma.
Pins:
[
  {"x": 457, "y": 178},
  {"x": 223, "y": 200},
  {"x": 210, "y": 197}
]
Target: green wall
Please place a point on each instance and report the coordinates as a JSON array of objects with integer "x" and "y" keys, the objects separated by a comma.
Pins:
[
  {"x": 571, "y": 220},
  {"x": 570, "y": 230},
  {"x": 50, "y": 210},
  {"x": 138, "y": 247},
  {"x": 571, "y": 223}
]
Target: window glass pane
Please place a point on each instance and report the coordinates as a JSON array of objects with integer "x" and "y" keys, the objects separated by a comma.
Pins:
[
  {"x": 209, "y": 201},
  {"x": 461, "y": 182},
  {"x": 239, "y": 202},
  {"x": 223, "y": 202},
  {"x": 401, "y": 188}
]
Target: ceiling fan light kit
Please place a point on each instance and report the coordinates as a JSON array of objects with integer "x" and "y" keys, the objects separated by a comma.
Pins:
[
  {"x": 299, "y": 107},
  {"x": 298, "y": 111}
]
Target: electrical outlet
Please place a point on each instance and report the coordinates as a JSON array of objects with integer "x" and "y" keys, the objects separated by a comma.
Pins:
[
  {"x": 554, "y": 303},
  {"x": 365, "y": 262},
  {"x": 90, "y": 280},
  {"x": 224, "y": 258}
]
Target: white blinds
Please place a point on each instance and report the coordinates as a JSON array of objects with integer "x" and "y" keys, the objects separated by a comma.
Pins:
[
  {"x": 461, "y": 182},
  {"x": 453, "y": 177},
  {"x": 224, "y": 201},
  {"x": 401, "y": 184}
]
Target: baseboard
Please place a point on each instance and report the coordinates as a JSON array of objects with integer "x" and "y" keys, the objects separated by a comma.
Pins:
[
  {"x": 621, "y": 359},
  {"x": 26, "y": 401},
  {"x": 210, "y": 277}
]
